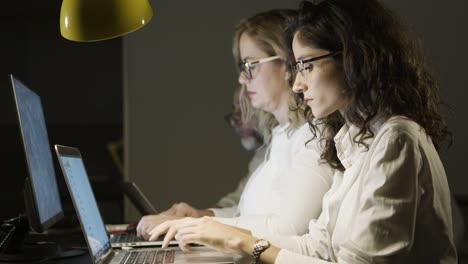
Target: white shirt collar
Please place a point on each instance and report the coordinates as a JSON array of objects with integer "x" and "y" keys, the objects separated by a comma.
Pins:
[
  {"x": 280, "y": 128},
  {"x": 348, "y": 151}
]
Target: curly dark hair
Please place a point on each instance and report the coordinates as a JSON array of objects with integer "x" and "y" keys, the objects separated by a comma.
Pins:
[{"x": 384, "y": 68}]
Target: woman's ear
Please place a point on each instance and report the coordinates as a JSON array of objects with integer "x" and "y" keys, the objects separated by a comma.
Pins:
[{"x": 287, "y": 74}]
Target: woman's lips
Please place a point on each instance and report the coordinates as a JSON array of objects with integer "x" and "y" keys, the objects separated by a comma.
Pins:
[{"x": 249, "y": 93}]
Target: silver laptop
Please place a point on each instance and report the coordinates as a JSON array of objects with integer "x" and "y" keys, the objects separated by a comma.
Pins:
[
  {"x": 94, "y": 230},
  {"x": 129, "y": 238}
]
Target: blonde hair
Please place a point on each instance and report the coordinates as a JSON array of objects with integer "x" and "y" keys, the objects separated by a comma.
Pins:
[{"x": 266, "y": 30}]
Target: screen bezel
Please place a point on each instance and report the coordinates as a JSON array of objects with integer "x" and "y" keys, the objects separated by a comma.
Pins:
[
  {"x": 64, "y": 151},
  {"x": 33, "y": 215}
]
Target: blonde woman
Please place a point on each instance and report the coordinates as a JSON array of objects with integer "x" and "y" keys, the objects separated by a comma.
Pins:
[{"x": 286, "y": 190}]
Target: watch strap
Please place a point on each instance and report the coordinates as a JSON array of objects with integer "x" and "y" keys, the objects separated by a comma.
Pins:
[{"x": 259, "y": 246}]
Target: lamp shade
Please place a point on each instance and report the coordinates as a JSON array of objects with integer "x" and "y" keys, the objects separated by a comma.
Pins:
[{"x": 91, "y": 20}]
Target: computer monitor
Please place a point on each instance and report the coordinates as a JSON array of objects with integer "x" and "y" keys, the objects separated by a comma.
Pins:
[
  {"x": 42, "y": 199},
  {"x": 41, "y": 195}
]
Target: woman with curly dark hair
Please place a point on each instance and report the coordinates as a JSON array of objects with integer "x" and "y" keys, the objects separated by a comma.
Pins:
[
  {"x": 367, "y": 82},
  {"x": 290, "y": 174}
]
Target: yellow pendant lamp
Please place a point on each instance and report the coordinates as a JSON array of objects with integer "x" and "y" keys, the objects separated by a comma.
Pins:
[{"x": 92, "y": 20}]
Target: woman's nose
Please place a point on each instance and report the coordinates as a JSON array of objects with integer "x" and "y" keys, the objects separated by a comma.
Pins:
[
  {"x": 299, "y": 85},
  {"x": 243, "y": 78}
]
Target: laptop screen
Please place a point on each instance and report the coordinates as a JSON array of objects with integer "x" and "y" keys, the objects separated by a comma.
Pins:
[
  {"x": 85, "y": 204},
  {"x": 38, "y": 155}
]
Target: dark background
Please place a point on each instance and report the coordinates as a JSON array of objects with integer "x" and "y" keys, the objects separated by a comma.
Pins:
[
  {"x": 165, "y": 88},
  {"x": 80, "y": 85}
]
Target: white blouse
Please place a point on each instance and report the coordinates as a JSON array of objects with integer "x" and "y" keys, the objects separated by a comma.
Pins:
[
  {"x": 291, "y": 176},
  {"x": 229, "y": 202},
  {"x": 391, "y": 204}
]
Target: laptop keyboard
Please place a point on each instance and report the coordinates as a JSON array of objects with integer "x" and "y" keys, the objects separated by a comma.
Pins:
[
  {"x": 126, "y": 238},
  {"x": 148, "y": 257}
]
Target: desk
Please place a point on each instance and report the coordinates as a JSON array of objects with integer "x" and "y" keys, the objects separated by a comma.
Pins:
[
  {"x": 76, "y": 240},
  {"x": 65, "y": 239},
  {"x": 84, "y": 259},
  {"x": 81, "y": 259}
]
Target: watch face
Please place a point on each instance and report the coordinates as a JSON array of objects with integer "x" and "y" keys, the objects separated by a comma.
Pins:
[{"x": 263, "y": 243}]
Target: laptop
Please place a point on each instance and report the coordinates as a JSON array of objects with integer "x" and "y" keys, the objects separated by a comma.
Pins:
[
  {"x": 128, "y": 237},
  {"x": 94, "y": 230},
  {"x": 138, "y": 198}
]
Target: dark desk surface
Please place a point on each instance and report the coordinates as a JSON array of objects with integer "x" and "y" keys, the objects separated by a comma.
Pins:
[
  {"x": 85, "y": 259},
  {"x": 69, "y": 239},
  {"x": 75, "y": 260},
  {"x": 66, "y": 239},
  {"x": 81, "y": 259}
]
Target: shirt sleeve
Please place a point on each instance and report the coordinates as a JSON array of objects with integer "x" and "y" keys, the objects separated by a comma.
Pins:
[
  {"x": 305, "y": 181},
  {"x": 224, "y": 212},
  {"x": 232, "y": 199},
  {"x": 261, "y": 224},
  {"x": 298, "y": 188},
  {"x": 295, "y": 218},
  {"x": 287, "y": 257},
  {"x": 315, "y": 244},
  {"x": 382, "y": 229}
]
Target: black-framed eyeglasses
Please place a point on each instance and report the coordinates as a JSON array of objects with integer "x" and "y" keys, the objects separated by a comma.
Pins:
[
  {"x": 247, "y": 67},
  {"x": 302, "y": 65}
]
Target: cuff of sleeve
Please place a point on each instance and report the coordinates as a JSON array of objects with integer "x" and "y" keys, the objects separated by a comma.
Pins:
[
  {"x": 282, "y": 257},
  {"x": 224, "y": 212},
  {"x": 226, "y": 202},
  {"x": 216, "y": 211}
]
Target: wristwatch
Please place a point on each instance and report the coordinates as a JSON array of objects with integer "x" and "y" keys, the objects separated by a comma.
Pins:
[{"x": 259, "y": 246}]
